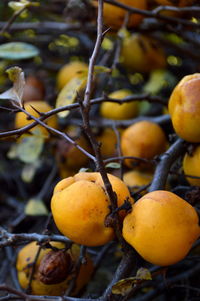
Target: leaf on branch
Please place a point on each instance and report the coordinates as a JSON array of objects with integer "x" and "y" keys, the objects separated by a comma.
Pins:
[
  {"x": 68, "y": 94},
  {"x": 18, "y": 51},
  {"x": 124, "y": 286},
  {"x": 35, "y": 207},
  {"x": 16, "y": 75},
  {"x": 143, "y": 274},
  {"x": 30, "y": 147},
  {"x": 158, "y": 80},
  {"x": 85, "y": 169},
  {"x": 22, "y": 4},
  {"x": 101, "y": 69},
  {"x": 113, "y": 165}
]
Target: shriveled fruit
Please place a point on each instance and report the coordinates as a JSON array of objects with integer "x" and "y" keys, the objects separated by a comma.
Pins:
[
  {"x": 191, "y": 166},
  {"x": 47, "y": 269},
  {"x": 80, "y": 206},
  {"x": 33, "y": 90},
  {"x": 161, "y": 227},
  {"x": 116, "y": 111},
  {"x": 143, "y": 139},
  {"x": 184, "y": 108}
]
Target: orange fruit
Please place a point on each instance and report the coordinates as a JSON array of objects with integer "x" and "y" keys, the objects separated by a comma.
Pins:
[
  {"x": 143, "y": 139},
  {"x": 26, "y": 257},
  {"x": 161, "y": 227},
  {"x": 148, "y": 54},
  {"x": 114, "y": 16},
  {"x": 113, "y": 110},
  {"x": 69, "y": 71},
  {"x": 191, "y": 166},
  {"x": 80, "y": 206},
  {"x": 184, "y": 108},
  {"x": 22, "y": 120}
]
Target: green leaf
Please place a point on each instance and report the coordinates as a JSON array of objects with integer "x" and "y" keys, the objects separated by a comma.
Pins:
[
  {"x": 124, "y": 286},
  {"x": 15, "y": 94},
  {"x": 158, "y": 80},
  {"x": 68, "y": 94},
  {"x": 18, "y": 5},
  {"x": 30, "y": 147},
  {"x": 143, "y": 274},
  {"x": 18, "y": 51},
  {"x": 101, "y": 69},
  {"x": 113, "y": 165},
  {"x": 29, "y": 170},
  {"x": 85, "y": 169},
  {"x": 35, "y": 207}
]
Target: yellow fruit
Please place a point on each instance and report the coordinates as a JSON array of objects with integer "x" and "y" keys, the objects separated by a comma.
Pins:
[
  {"x": 26, "y": 257},
  {"x": 69, "y": 71},
  {"x": 143, "y": 139},
  {"x": 191, "y": 166},
  {"x": 108, "y": 140},
  {"x": 184, "y": 108},
  {"x": 136, "y": 179},
  {"x": 140, "y": 53},
  {"x": 80, "y": 205},
  {"x": 179, "y": 3},
  {"x": 41, "y": 106},
  {"x": 119, "y": 111},
  {"x": 161, "y": 227},
  {"x": 114, "y": 16}
]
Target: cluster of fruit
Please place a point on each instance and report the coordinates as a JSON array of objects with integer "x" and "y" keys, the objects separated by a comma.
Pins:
[{"x": 160, "y": 226}]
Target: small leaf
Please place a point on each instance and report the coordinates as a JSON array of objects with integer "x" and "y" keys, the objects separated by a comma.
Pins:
[
  {"x": 16, "y": 75},
  {"x": 101, "y": 69},
  {"x": 30, "y": 147},
  {"x": 113, "y": 165},
  {"x": 143, "y": 274},
  {"x": 19, "y": 5},
  {"x": 16, "y": 6},
  {"x": 124, "y": 286},
  {"x": 158, "y": 80},
  {"x": 29, "y": 170},
  {"x": 18, "y": 51},
  {"x": 12, "y": 153},
  {"x": 35, "y": 207},
  {"x": 84, "y": 169},
  {"x": 69, "y": 93}
]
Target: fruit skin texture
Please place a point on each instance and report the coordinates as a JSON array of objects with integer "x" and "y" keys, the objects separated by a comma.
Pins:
[
  {"x": 27, "y": 255},
  {"x": 161, "y": 227},
  {"x": 118, "y": 111},
  {"x": 80, "y": 205},
  {"x": 69, "y": 71},
  {"x": 191, "y": 166},
  {"x": 40, "y": 106},
  {"x": 143, "y": 139},
  {"x": 148, "y": 55},
  {"x": 114, "y": 16},
  {"x": 108, "y": 142},
  {"x": 184, "y": 108}
]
